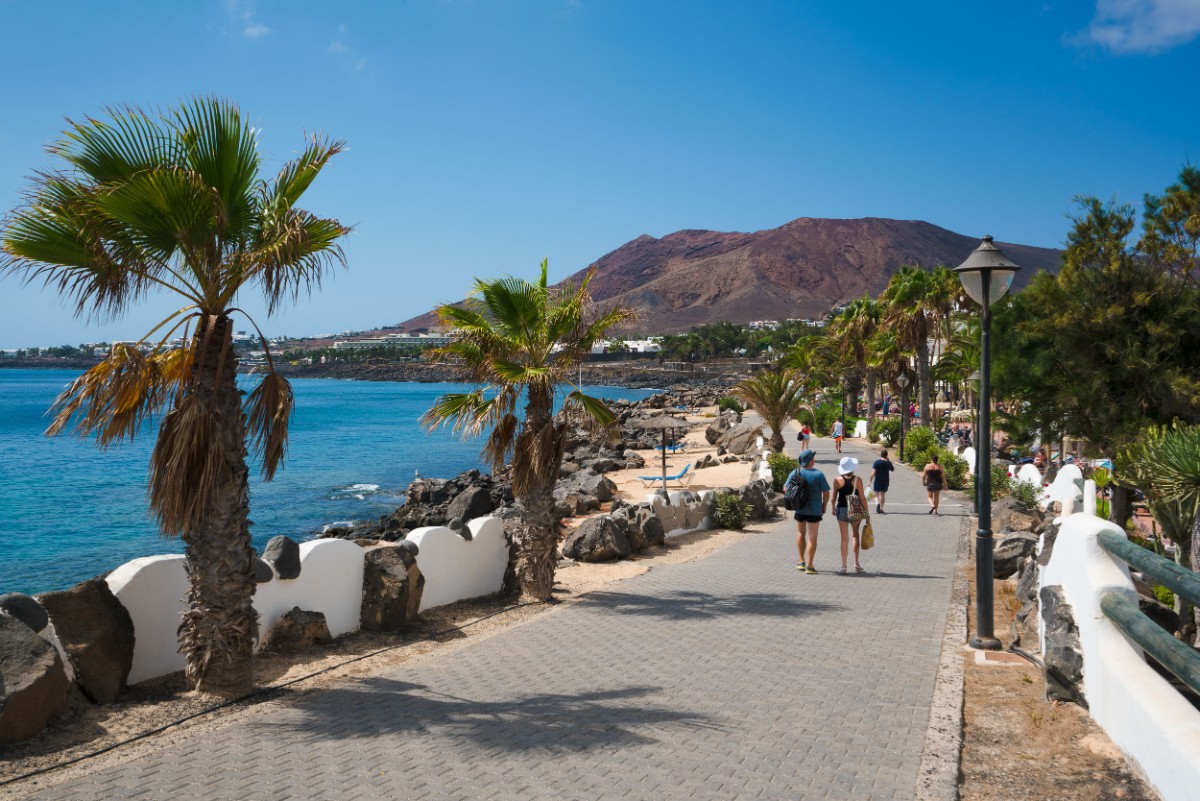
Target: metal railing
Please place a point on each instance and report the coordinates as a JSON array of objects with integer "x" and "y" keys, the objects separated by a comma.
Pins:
[{"x": 1182, "y": 661}]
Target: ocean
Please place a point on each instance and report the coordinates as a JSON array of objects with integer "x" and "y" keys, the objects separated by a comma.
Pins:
[{"x": 70, "y": 511}]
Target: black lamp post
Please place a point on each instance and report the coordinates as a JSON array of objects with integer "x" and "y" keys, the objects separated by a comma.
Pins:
[
  {"x": 986, "y": 275},
  {"x": 902, "y": 380}
]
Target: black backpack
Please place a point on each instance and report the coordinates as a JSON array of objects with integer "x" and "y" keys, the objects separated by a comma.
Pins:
[{"x": 795, "y": 492}]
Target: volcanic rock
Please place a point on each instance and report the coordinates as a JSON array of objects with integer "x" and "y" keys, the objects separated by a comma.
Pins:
[{"x": 97, "y": 633}]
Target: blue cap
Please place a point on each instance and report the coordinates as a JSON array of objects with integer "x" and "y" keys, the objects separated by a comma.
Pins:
[{"x": 805, "y": 455}]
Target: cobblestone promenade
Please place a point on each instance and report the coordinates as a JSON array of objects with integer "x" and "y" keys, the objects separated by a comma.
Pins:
[{"x": 731, "y": 677}]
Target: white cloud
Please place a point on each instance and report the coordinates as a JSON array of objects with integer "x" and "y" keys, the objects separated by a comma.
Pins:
[
  {"x": 243, "y": 17},
  {"x": 1142, "y": 26},
  {"x": 349, "y": 56}
]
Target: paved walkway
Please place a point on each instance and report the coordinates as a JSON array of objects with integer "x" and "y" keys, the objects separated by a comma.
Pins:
[{"x": 730, "y": 677}]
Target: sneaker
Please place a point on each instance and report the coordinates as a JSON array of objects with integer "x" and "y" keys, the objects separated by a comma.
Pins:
[
  {"x": 878, "y": 509},
  {"x": 810, "y": 570},
  {"x": 801, "y": 567}
]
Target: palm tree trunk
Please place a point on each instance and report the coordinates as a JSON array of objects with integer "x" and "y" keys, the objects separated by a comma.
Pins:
[
  {"x": 539, "y": 547},
  {"x": 219, "y": 627},
  {"x": 870, "y": 394},
  {"x": 923, "y": 373}
]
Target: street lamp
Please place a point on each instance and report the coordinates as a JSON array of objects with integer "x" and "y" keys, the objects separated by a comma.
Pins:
[
  {"x": 902, "y": 380},
  {"x": 986, "y": 275}
]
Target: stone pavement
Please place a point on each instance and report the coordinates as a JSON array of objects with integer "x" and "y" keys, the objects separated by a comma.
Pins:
[{"x": 729, "y": 677}]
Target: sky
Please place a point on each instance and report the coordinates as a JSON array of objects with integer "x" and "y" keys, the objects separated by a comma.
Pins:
[{"x": 485, "y": 135}]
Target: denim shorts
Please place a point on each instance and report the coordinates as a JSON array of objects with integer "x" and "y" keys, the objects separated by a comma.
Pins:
[{"x": 843, "y": 514}]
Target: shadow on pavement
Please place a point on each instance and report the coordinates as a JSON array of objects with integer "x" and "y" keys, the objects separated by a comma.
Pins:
[
  {"x": 691, "y": 605},
  {"x": 554, "y": 723}
]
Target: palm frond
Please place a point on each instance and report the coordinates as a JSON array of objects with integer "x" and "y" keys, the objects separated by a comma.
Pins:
[
  {"x": 268, "y": 410},
  {"x": 187, "y": 464},
  {"x": 114, "y": 398}
]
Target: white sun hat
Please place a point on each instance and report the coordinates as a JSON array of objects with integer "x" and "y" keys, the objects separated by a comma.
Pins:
[{"x": 847, "y": 465}]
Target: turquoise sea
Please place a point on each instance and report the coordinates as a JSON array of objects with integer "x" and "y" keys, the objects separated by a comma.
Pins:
[{"x": 70, "y": 511}]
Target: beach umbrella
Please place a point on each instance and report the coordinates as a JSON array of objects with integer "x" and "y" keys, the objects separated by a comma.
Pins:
[
  {"x": 663, "y": 423},
  {"x": 961, "y": 414}
]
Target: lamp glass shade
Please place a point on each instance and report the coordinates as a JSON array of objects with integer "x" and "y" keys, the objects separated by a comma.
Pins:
[
  {"x": 902, "y": 380},
  {"x": 986, "y": 263}
]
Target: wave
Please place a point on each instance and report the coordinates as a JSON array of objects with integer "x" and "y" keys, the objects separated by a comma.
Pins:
[{"x": 356, "y": 491}]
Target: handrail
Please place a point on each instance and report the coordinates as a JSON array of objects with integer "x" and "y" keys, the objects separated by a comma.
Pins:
[
  {"x": 1176, "y": 578},
  {"x": 1182, "y": 661}
]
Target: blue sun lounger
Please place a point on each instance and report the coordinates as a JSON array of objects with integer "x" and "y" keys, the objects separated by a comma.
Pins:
[{"x": 682, "y": 479}]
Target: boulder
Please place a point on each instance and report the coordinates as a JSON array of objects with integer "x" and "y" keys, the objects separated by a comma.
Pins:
[
  {"x": 33, "y": 684},
  {"x": 297, "y": 629},
  {"x": 601, "y": 464},
  {"x": 1027, "y": 581},
  {"x": 284, "y": 555},
  {"x": 567, "y": 468},
  {"x": 757, "y": 494},
  {"x": 471, "y": 503},
  {"x": 597, "y": 539},
  {"x": 1063, "y": 655},
  {"x": 96, "y": 632},
  {"x": 716, "y": 430},
  {"x": 1011, "y": 514},
  {"x": 742, "y": 439},
  {"x": 652, "y": 530},
  {"x": 594, "y": 484},
  {"x": 1009, "y": 552},
  {"x": 262, "y": 571},
  {"x": 25, "y": 609},
  {"x": 386, "y": 582}
]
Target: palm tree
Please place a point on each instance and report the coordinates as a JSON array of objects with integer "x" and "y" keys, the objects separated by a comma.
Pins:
[
  {"x": 853, "y": 331},
  {"x": 777, "y": 395},
  {"x": 918, "y": 302},
  {"x": 175, "y": 202},
  {"x": 521, "y": 342}
]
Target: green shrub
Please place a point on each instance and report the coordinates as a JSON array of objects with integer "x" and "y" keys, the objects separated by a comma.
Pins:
[
  {"x": 1001, "y": 483},
  {"x": 918, "y": 443},
  {"x": 886, "y": 429},
  {"x": 781, "y": 466},
  {"x": 729, "y": 403},
  {"x": 953, "y": 467},
  {"x": 824, "y": 416},
  {"x": 1164, "y": 596},
  {"x": 730, "y": 512},
  {"x": 1026, "y": 494},
  {"x": 872, "y": 435}
]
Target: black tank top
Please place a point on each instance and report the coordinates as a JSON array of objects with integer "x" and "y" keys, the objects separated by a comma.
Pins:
[{"x": 845, "y": 491}]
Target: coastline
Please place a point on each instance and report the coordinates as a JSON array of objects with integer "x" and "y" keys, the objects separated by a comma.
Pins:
[{"x": 628, "y": 375}]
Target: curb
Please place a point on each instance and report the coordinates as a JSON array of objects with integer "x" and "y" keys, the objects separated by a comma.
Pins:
[{"x": 937, "y": 778}]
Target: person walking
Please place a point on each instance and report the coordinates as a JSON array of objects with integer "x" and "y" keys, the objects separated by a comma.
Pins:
[
  {"x": 805, "y": 437},
  {"x": 851, "y": 505},
  {"x": 934, "y": 480},
  {"x": 836, "y": 433},
  {"x": 808, "y": 518},
  {"x": 880, "y": 479}
]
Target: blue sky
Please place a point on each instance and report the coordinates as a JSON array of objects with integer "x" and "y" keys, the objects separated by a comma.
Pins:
[{"x": 485, "y": 135}]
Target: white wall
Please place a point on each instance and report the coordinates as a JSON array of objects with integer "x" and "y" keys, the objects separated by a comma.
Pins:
[
  {"x": 1138, "y": 709},
  {"x": 152, "y": 589},
  {"x": 1063, "y": 488},
  {"x": 455, "y": 568},
  {"x": 330, "y": 582}
]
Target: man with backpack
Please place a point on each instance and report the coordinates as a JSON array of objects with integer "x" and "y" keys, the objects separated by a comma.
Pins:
[{"x": 806, "y": 493}]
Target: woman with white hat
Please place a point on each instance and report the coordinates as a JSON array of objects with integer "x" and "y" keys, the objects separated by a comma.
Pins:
[{"x": 851, "y": 508}]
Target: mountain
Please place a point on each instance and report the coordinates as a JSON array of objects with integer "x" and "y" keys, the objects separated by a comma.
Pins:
[{"x": 798, "y": 270}]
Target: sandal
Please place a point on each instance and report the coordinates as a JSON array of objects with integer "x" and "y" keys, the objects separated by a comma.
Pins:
[
  {"x": 842, "y": 572},
  {"x": 859, "y": 569}
]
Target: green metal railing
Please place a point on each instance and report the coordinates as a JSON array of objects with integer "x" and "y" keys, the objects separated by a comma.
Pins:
[{"x": 1182, "y": 661}]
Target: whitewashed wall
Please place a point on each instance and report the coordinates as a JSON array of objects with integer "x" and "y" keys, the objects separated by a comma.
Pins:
[
  {"x": 1138, "y": 709},
  {"x": 152, "y": 589},
  {"x": 1063, "y": 488},
  {"x": 330, "y": 582},
  {"x": 454, "y": 568}
]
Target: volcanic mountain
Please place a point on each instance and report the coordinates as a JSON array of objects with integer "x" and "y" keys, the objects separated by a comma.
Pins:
[{"x": 799, "y": 270}]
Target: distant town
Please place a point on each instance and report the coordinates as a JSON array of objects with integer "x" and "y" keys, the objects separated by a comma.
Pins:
[{"x": 390, "y": 345}]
